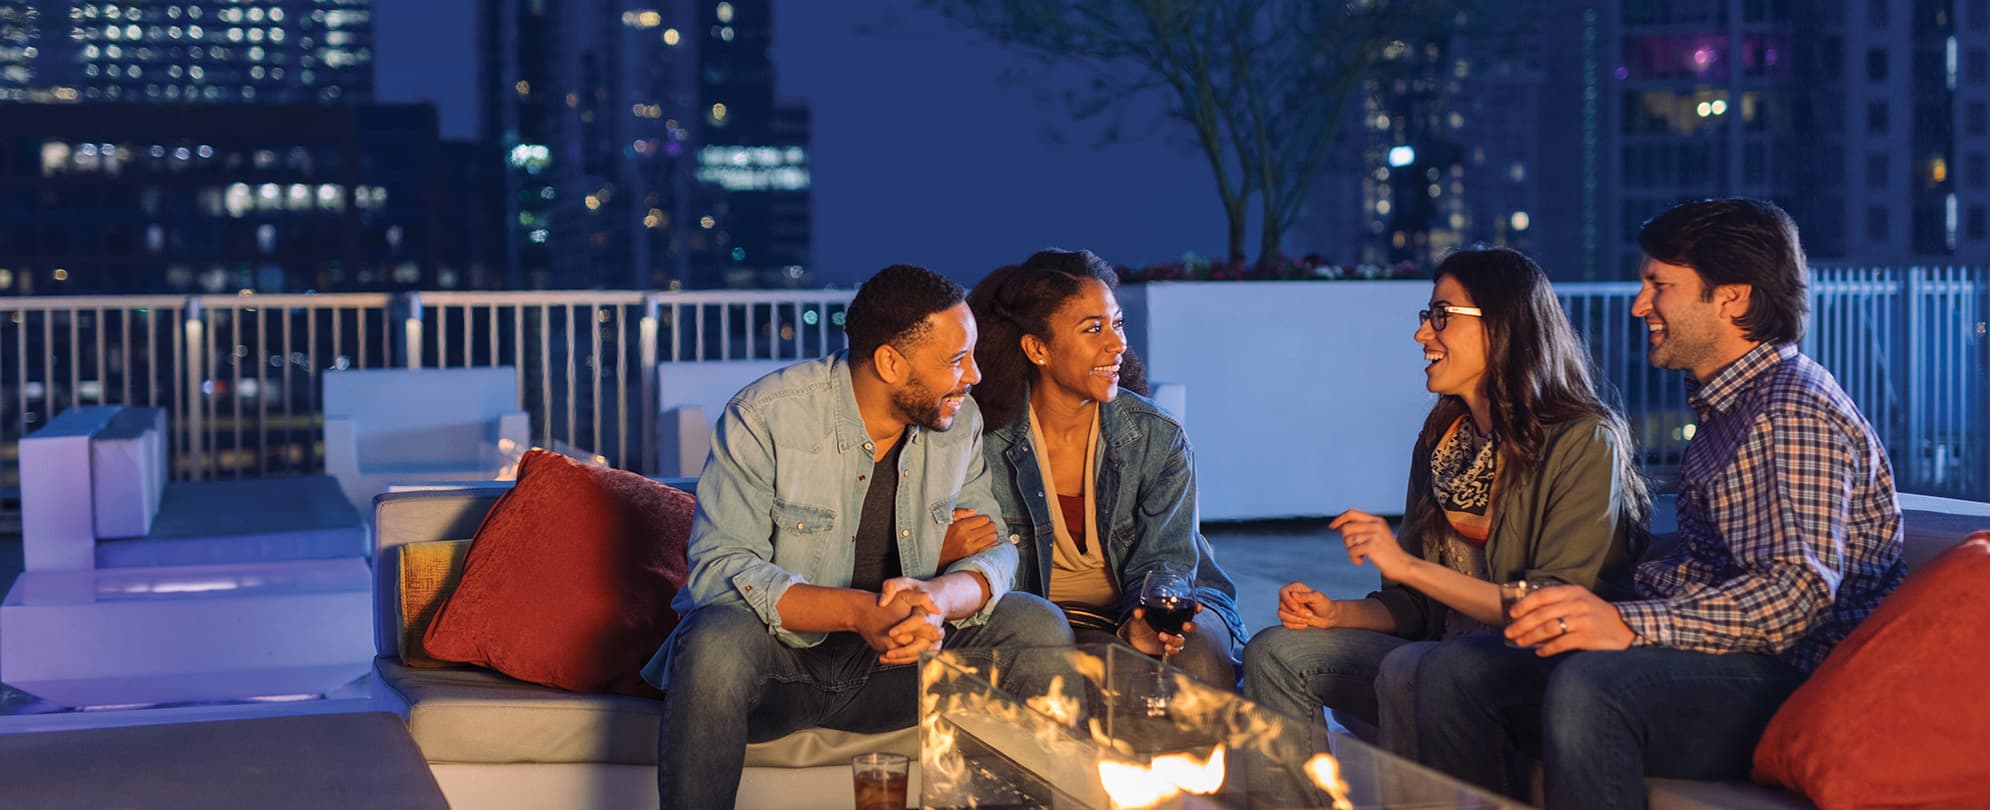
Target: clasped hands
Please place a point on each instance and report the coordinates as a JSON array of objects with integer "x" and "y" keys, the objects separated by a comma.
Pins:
[{"x": 906, "y": 621}]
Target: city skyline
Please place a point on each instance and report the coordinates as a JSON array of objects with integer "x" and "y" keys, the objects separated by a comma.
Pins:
[{"x": 922, "y": 153}]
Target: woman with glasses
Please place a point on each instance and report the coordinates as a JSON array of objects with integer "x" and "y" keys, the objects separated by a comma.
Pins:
[
  {"x": 1096, "y": 483},
  {"x": 1520, "y": 472}
]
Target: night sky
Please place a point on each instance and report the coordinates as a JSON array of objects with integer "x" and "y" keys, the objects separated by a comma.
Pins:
[{"x": 922, "y": 154}]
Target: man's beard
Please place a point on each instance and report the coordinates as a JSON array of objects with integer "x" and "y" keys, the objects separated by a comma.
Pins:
[{"x": 920, "y": 406}]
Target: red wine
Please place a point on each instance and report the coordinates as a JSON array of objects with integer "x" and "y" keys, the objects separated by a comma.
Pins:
[{"x": 1168, "y": 613}]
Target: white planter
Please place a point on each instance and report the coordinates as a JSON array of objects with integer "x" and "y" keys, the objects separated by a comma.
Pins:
[{"x": 1305, "y": 397}]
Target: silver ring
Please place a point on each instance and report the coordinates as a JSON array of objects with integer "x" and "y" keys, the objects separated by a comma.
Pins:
[{"x": 1565, "y": 625}]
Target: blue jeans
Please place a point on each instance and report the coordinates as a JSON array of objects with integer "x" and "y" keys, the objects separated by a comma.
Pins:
[
  {"x": 1601, "y": 720},
  {"x": 1366, "y": 677},
  {"x": 732, "y": 683}
]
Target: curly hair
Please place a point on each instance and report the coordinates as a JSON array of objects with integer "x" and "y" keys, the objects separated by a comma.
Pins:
[
  {"x": 891, "y": 308},
  {"x": 1538, "y": 371},
  {"x": 1019, "y": 300}
]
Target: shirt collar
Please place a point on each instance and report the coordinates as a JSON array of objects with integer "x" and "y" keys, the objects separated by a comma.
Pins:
[
  {"x": 1719, "y": 394},
  {"x": 850, "y": 430}
]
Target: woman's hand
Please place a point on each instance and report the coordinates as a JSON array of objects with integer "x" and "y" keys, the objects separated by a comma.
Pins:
[
  {"x": 1300, "y": 607},
  {"x": 970, "y": 533},
  {"x": 1369, "y": 540},
  {"x": 1146, "y": 639}
]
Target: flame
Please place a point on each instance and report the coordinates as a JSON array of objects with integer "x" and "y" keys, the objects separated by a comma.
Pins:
[
  {"x": 1167, "y": 776},
  {"x": 1056, "y": 704},
  {"x": 1325, "y": 771}
]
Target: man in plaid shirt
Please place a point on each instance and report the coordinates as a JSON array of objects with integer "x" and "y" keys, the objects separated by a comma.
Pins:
[{"x": 1789, "y": 535}]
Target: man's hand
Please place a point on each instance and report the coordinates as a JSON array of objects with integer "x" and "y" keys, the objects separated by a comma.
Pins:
[
  {"x": 1568, "y": 617},
  {"x": 970, "y": 533},
  {"x": 1300, "y": 607},
  {"x": 923, "y": 627},
  {"x": 1137, "y": 632},
  {"x": 1369, "y": 540}
]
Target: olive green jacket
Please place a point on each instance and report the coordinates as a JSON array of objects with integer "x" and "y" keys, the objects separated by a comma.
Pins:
[{"x": 1570, "y": 520}]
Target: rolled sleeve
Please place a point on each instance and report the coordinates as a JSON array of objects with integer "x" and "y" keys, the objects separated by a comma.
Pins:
[
  {"x": 998, "y": 563},
  {"x": 998, "y": 566},
  {"x": 731, "y": 554}
]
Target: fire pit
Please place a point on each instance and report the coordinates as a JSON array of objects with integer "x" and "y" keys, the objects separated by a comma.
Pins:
[{"x": 1089, "y": 739}]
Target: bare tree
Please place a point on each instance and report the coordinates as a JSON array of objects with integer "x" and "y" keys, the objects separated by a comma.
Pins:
[{"x": 1263, "y": 85}]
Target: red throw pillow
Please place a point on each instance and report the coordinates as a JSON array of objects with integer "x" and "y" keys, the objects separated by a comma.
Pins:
[
  {"x": 568, "y": 581},
  {"x": 1895, "y": 716}
]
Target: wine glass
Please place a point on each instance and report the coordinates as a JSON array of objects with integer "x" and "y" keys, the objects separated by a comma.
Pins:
[{"x": 1167, "y": 602}]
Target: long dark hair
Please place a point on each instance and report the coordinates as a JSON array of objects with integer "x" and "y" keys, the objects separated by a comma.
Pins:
[
  {"x": 1018, "y": 300},
  {"x": 1538, "y": 373}
]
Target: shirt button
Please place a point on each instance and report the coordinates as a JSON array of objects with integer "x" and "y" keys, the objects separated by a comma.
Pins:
[
  {"x": 798, "y": 527},
  {"x": 905, "y": 533},
  {"x": 1014, "y": 538}
]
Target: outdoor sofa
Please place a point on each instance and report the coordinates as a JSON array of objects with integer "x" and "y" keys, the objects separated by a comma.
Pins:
[{"x": 496, "y": 742}]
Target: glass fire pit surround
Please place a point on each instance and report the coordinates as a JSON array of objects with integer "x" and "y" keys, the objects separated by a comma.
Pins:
[{"x": 1084, "y": 736}]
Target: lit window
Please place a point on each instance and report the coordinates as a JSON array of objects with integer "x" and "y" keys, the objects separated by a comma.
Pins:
[
  {"x": 238, "y": 200},
  {"x": 1520, "y": 220},
  {"x": 671, "y": 37},
  {"x": 54, "y": 158},
  {"x": 718, "y": 112},
  {"x": 725, "y": 12}
]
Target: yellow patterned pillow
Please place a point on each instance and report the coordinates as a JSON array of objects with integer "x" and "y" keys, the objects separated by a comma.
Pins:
[{"x": 429, "y": 573}]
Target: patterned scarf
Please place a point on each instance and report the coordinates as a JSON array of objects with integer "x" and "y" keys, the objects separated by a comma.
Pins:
[{"x": 1462, "y": 479}]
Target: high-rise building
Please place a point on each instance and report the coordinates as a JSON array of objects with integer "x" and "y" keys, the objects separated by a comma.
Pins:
[
  {"x": 113, "y": 198},
  {"x": 1869, "y": 120},
  {"x": 270, "y": 51},
  {"x": 752, "y": 197},
  {"x": 646, "y": 144}
]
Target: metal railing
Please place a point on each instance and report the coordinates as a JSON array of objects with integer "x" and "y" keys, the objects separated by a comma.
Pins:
[
  {"x": 239, "y": 374},
  {"x": 1909, "y": 346}
]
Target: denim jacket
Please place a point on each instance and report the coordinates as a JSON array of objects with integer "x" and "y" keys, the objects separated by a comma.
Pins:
[
  {"x": 781, "y": 494},
  {"x": 1146, "y": 499}
]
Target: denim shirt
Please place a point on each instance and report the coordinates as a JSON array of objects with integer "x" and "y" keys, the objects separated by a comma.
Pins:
[
  {"x": 781, "y": 494},
  {"x": 1145, "y": 492}
]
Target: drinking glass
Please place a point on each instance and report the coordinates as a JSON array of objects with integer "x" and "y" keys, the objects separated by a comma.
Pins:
[
  {"x": 1510, "y": 593},
  {"x": 879, "y": 780},
  {"x": 1167, "y": 601}
]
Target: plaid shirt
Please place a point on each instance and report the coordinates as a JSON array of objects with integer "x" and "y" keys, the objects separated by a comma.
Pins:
[{"x": 1789, "y": 532}]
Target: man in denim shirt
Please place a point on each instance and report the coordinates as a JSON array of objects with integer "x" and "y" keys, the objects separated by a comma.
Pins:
[
  {"x": 1789, "y": 536},
  {"x": 832, "y": 488}
]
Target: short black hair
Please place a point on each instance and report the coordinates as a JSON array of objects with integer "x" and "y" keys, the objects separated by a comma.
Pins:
[
  {"x": 1738, "y": 240},
  {"x": 892, "y": 306}
]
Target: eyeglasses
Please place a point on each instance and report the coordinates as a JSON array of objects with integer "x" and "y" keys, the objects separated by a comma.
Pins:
[{"x": 1440, "y": 316}]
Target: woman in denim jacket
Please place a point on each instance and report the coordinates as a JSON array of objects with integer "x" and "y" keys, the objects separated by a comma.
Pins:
[
  {"x": 1096, "y": 484},
  {"x": 1520, "y": 471}
]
